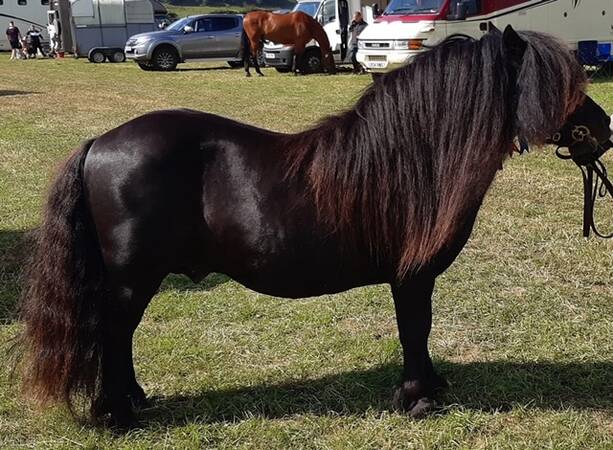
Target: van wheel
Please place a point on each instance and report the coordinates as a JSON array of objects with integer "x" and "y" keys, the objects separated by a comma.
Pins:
[
  {"x": 97, "y": 57},
  {"x": 311, "y": 61},
  {"x": 165, "y": 58},
  {"x": 146, "y": 66},
  {"x": 117, "y": 57}
]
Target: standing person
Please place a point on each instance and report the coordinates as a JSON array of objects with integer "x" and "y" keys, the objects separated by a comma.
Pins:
[
  {"x": 53, "y": 38},
  {"x": 14, "y": 36},
  {"x": 34, "y": 41},
  {"x": 357, "y": 26}
]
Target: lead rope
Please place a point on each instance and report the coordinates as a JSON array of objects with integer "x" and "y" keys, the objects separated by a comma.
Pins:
[{"x": 593, "y": 188}]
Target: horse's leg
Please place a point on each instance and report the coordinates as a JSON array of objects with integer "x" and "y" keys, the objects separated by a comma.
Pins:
[
  {"x": 246, "y": 63},
  {"x": 298, "y": 52},
  {"x": 120, "y": 390},
  {"x": 255, "y": 49},
  {"x": 413, "y": 303}
]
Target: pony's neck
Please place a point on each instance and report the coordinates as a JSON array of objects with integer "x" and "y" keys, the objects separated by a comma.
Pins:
[{"x": 404, "y": 169}]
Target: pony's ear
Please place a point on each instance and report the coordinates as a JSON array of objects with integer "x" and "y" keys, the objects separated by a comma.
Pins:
[{"x": 514, "y": 46}]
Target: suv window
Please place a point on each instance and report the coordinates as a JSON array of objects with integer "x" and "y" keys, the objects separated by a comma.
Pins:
[
  {"x": 223, "y": 23},
  {"x": 204, "y": 24}
]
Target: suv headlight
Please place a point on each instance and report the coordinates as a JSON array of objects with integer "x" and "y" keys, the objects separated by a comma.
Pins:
[
  {"x": 361, "y": 44},
  {"x": 141, "y": 40}
]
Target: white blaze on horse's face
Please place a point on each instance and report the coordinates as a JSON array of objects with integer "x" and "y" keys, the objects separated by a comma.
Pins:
[{"x": 611, "y": 128}]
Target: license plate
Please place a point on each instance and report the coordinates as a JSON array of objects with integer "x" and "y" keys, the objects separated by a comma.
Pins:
[
  {"x": 376, "y": 64},
  {"x": 129, "y": 49},
  {"x": 270, "y": 55}
]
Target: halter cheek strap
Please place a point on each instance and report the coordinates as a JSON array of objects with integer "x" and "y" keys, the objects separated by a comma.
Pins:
[{"x": 585, "y": 151}]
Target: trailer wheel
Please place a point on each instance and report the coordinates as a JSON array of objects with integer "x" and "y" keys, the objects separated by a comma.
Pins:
[
  {"x": 165, "y": 58},
  {"x": 235, "y": 64},
  {"x": 117, "y": 56},
  {"x": 96, "y": 56}
]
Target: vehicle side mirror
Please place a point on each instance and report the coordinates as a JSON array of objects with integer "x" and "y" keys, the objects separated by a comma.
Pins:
[
  {"x": 459, "y": 11},
  {"x": 187, "y": 29}
]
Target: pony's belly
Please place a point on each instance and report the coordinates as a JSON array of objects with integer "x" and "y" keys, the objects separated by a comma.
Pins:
[{"x": 303, "y": 283}]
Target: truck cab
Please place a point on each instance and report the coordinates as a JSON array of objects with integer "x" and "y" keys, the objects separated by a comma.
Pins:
[
  {"x": 408, "y": 27},
  {"x": 334, "y": 16}
]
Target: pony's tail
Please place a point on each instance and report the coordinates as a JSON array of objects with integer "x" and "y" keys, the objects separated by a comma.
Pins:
[{"x": 61, "y": 303}]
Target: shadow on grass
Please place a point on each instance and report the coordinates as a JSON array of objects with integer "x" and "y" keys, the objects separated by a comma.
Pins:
[
  {"x": 479, "y": 386},
  {"x": 6, "y": 93}
]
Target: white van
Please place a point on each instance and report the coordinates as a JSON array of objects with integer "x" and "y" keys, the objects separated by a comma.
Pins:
[
  {"x": 24, "y": 13},
  {"x": 335, "y": 17},
  {"x": 408, "y": 26}
]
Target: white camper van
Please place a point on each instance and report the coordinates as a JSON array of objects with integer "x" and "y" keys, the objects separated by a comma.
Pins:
[
  {"x": 99, "y": 29},
  {"x": 408, "y": 26},
  {"x": 24, "y": 13},
  {"x": 335, "y": 17}
]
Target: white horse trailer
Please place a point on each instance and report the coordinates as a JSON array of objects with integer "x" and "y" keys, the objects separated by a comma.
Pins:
[
  {"x": 99, "y": 29},
  {"x": 24, "y": 13}
]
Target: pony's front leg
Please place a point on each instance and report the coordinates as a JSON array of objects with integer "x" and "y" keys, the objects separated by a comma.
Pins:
[{"x": 419, "y": 384}]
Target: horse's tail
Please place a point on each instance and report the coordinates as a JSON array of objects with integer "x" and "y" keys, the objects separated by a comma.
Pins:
[
  {"x": 61, "y": 303},
  {"x": 245, "y": 47}
]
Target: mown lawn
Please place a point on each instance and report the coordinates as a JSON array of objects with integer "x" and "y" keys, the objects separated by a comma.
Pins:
[{"x": 522, "y": 327}]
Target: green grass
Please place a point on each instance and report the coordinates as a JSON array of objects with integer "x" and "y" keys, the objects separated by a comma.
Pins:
[{"x": 522, "y": 325}]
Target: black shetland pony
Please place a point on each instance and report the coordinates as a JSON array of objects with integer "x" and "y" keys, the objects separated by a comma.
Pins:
[{"x": 386, "y": 192}]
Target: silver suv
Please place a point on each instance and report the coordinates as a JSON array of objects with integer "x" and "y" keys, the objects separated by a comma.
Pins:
[{"x": 214, "y": 36}]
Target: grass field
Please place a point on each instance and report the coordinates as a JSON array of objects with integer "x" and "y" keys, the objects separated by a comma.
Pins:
[{"x": 522, "y": 326}]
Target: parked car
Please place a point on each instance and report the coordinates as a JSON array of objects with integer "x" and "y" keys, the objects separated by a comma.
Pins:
[{"x": 210, "y": 36}]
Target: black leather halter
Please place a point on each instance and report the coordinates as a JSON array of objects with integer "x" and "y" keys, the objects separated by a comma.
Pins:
[{"x": 585, "y": 150}]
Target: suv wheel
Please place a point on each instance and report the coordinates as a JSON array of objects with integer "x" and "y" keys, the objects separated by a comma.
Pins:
[
  {"x": 146, "y": 66},
  {"x": 165, "y": 58}
]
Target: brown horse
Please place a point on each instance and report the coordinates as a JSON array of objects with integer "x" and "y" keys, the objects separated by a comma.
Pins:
[{"x": 296, "y": 29}]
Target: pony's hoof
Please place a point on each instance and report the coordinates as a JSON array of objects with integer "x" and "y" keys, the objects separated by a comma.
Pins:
[
  {"x": 123, "y": 420},
  {"x": 140, "y": 400},
  {"x": 260, "y": 74},
  {"x": 248, "y": 75},
  {"x": 412, "y": 399}
]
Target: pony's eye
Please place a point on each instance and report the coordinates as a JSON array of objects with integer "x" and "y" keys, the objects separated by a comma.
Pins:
[{"x": 556, "y": 137}]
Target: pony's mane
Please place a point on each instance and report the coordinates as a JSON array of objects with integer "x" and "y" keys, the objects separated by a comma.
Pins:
[{"x": 420, "y": 148}]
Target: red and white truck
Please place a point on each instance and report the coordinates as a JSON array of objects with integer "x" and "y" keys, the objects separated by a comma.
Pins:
[{"x": 407, "y": 27}]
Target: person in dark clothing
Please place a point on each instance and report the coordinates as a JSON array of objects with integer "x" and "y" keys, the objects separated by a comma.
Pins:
[
  {"x": 357, "y": 26},
  {"x": 14, "y": 36},
  {"x": 34, "y": 45}
]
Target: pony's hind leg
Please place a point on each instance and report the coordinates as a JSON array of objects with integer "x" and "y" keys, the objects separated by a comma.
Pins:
[
  {"x": 119, "y": 389},
  {"x": 420, "y": 383}
]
